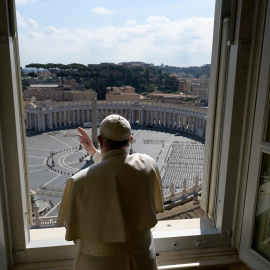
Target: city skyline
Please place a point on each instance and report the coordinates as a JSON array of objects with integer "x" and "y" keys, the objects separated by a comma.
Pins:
[{"x": 175, "y": 33}]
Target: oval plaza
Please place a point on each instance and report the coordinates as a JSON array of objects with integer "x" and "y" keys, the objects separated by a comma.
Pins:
[{"x": 171, "y": 133}]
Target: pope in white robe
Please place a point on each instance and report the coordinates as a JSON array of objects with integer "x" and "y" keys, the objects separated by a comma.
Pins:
[{"x": 109, "y": 208}]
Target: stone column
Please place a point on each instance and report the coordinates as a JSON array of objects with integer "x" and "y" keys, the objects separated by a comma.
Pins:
[
  {"x": 68, "y": 117},
  {"x": 87, "y": 115},
  {"x": 73, "y": 117},
  {"x": 39, "y": 122},
  {"x": 167, "y": 117},
  {"x": 82, "y": 117},
  {"x": 143, "y": 116},
  {"x": 60, "y": 119},
  {"x": 65, "y": 117},
  {"x": 55, "y": 119},
  {"x": 50, "y": 120},
  {"x": 36, "y": 121},
  {"x": 174, "y": 124},
  {"x": 177, "y": 121},
  {"x": 30, "y": 121},
  {"x": 189, "y": 123},
  {"x": 204, "y": 127},
  {"x": 197, "y": 125},
  {"x": 152, "y": 117},
  {"x": 132, "y": 116},
  {"x": 156, "y": 120},
  {"x": 78, "y": 117},
  {"x": 194, "y": 124},
  {"x": 102, "y": 115}
]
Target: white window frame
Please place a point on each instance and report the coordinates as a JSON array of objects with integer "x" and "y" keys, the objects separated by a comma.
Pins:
[
  {"x": 15, "y": 162},
  {"x": 258, "y": 147}
]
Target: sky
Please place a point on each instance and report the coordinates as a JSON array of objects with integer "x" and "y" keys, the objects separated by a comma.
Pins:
[{"x": 170, "y": 32}]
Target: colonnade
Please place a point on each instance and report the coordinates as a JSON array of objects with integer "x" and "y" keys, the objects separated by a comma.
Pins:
[{"x": 145, "y": 113}]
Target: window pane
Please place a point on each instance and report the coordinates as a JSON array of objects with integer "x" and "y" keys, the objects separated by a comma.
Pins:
[{"x": 261, "y": 241}]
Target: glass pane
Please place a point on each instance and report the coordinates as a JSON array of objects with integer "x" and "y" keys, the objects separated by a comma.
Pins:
[{"x": 261, "y": 241}]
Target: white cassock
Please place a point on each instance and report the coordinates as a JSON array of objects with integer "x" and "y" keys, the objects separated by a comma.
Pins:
[{"x": 109, "y": 209}]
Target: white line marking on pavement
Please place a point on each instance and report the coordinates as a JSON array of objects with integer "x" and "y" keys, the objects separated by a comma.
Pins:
[
  {"x": 72, "y": 162},
  {"x": 36, "y": 157},
  {"x": 36, "y": 165},
  {"x": 60, "y": 141},
  {"x": 39, "y": 149},
  {"x": 77, "y": 141},
  {"x": 52, "y": 180},
  {"x": 136, "y": 133},
  {"x": 39, "y": 170},
  {"x": 63, "y": 164},
  {"x": 51, "y": 210}
]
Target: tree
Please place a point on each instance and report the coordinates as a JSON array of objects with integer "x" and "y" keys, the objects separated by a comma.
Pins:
[{"x": 32, "y": 74}]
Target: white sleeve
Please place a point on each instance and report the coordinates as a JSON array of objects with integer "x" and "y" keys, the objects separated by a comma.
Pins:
[{"x": 97, "y": 157}]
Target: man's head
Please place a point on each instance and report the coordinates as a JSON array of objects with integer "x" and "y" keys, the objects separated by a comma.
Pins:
[{"x": 114, "y": 133}]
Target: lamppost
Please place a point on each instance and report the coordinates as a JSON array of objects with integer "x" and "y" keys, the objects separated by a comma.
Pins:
[
  {"x": 52, "y": 154},
  {"x": 80, "y": 147},
  {"x": 131, "y": 150}
]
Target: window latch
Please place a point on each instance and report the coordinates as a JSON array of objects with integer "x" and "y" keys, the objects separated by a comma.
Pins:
[{"x": 199, "y": 243}]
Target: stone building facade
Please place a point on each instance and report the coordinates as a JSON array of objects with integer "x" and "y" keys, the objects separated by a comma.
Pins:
[
  {"x": 125, "y": 93},
  {"x": 57, "y": 92}
]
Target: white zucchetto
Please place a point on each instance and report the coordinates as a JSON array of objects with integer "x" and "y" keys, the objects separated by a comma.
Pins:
[{"x": 115, "y": 127}]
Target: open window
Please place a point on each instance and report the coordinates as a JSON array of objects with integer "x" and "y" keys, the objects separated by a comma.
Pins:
[{"x": 230, "y": 123}]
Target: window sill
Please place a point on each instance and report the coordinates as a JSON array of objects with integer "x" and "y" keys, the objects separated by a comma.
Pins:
[
  {"x": 49, "y": 244},
  {"x": 185, "y": 259}
]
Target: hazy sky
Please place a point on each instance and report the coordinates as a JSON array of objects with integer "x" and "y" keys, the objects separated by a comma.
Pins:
[{"x": 173, "y": 32}]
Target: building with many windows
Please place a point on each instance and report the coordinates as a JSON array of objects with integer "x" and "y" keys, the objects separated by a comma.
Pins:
[{"x": 57, "y": 92}]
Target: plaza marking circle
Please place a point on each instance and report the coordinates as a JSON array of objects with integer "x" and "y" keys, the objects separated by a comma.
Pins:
[{"x": 63, "y": 164}]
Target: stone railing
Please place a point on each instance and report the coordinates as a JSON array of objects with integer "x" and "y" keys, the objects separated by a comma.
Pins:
[
  {"x": 44, "y": 222},
  {"x": 182, "y": 195}
]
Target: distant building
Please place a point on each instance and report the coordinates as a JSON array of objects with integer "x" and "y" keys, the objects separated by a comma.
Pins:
[
  {"x": 201, "y": 90},
  {"x": 183, "y": 86},
  {"x": 87, "y": 94},
  {"x": 57, "y": 92},
  {"x": 170, "y": 98},
  {"x": 125, "y": 93},
  {"x": 44, "y": 91}
]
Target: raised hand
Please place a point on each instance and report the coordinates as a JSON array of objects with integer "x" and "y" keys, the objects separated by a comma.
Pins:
[{"x": 86, "y": 141}]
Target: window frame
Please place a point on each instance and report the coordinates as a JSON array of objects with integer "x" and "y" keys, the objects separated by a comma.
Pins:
[
  {"x": 258, "y": 147},
  {"x": 15, "y": 162}
]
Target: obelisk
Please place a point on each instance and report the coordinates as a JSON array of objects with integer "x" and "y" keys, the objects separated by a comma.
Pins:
[{"x": 94, "y": 122}]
